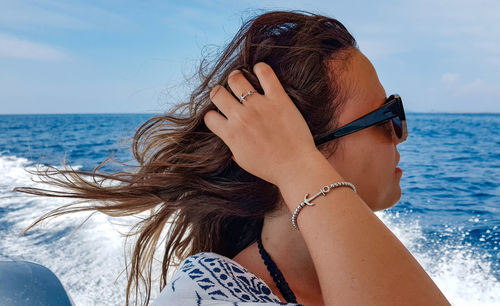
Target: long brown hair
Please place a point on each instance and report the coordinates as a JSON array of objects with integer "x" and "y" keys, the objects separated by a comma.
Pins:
[{"x": 194, "y": 194}]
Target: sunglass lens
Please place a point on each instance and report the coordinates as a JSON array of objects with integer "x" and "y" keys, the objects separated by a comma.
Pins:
[{"x": 398, "y": 127}]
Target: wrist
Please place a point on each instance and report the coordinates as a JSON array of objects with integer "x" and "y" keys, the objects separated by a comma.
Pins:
[{"x": 306, "y": 175}]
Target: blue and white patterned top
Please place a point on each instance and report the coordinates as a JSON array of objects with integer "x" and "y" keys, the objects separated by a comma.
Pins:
[{"x": 212, "y": 279}]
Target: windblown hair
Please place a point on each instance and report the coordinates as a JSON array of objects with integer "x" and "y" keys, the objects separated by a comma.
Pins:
[{"x": 192, "y": 193}]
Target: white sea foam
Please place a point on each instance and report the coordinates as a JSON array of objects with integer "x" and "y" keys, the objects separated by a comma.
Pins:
[
  {"x": 89, "y": 260},
  {"x": 463, "y": 273}
]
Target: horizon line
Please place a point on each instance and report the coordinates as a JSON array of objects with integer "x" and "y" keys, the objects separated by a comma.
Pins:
[{"x": 160, "y": 113}]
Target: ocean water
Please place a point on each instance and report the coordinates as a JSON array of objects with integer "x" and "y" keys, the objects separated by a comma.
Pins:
[{"x": 448, "y": 216}]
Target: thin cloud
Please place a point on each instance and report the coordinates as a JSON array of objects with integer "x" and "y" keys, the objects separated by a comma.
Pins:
[
  {"x": 459, "y": 26},
  {"x": 448, "y": 78},
  {"x": 13, "y": 47},
  {"x": 377, "y": 49},
  {"x": 493, "y": 61},
  {"x": 22, "y": 14},
  {"x": 478, "y": 88},
  {"x": 192, "y": 21}
]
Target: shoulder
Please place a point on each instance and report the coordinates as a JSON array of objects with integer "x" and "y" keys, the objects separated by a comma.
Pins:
[{"x": 209, "y": 278}]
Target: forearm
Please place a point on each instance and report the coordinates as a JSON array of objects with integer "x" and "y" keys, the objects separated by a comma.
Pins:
[{"x": 357, "y": 258}]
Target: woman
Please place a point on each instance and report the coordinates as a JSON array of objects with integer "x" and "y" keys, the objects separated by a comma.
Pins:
[{"x": 266, "y": 189}]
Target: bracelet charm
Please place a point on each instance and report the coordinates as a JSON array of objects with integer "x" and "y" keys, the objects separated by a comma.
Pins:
[{"x": 323, "y": 191}]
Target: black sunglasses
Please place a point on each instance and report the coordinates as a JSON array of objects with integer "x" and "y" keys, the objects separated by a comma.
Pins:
[{"x": 392, "y": 110}]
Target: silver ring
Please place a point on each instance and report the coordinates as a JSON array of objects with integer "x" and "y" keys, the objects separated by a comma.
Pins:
[{"x": 242, "y": 98}]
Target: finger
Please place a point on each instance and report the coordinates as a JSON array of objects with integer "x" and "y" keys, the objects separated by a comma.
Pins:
[
  {"x": 268, "y": 80},
  {"x": 215, "y": 123},
  {"x": 239, "y": 84},
  {"x": 224, "y": 101}
]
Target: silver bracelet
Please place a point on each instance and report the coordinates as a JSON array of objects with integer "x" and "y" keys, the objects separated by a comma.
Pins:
[{"x": 322, "y": 191}]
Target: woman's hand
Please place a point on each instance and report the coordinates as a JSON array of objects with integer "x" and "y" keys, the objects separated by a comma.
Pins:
[{"x": 266, "y": 133}]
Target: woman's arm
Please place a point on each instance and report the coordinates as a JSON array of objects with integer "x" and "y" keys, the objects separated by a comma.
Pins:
[{"x": 358, "y": 259}]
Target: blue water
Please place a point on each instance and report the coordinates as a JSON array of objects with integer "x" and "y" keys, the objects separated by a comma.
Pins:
[
  {"x": 452, "y": 180},
  {"x": 448, "y": 216},
  {"x": 84, "y": 140}
]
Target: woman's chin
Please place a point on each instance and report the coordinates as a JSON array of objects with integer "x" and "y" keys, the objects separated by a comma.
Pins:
[
  {"x": 390, "y": 202},
  {"x": 396, "y": 198}
]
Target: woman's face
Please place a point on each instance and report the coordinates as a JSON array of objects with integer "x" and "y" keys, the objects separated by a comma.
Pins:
[{"x": 367, "y": 158}]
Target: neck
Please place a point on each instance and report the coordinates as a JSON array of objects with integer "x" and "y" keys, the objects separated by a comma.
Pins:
[{"x": 289, "y": 251}]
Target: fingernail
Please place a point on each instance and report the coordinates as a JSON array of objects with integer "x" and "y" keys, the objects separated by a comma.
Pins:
[{"x": 234, "y": 72}]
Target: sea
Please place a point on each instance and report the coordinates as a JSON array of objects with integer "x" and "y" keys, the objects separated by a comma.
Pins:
[{"x": 448, "y": 215}]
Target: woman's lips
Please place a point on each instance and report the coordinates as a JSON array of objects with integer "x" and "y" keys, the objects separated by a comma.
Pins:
[{"x": 398, "y": 170}]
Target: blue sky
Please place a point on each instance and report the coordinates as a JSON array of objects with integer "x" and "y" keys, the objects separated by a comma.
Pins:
[{"x": 133, "y": 56}]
